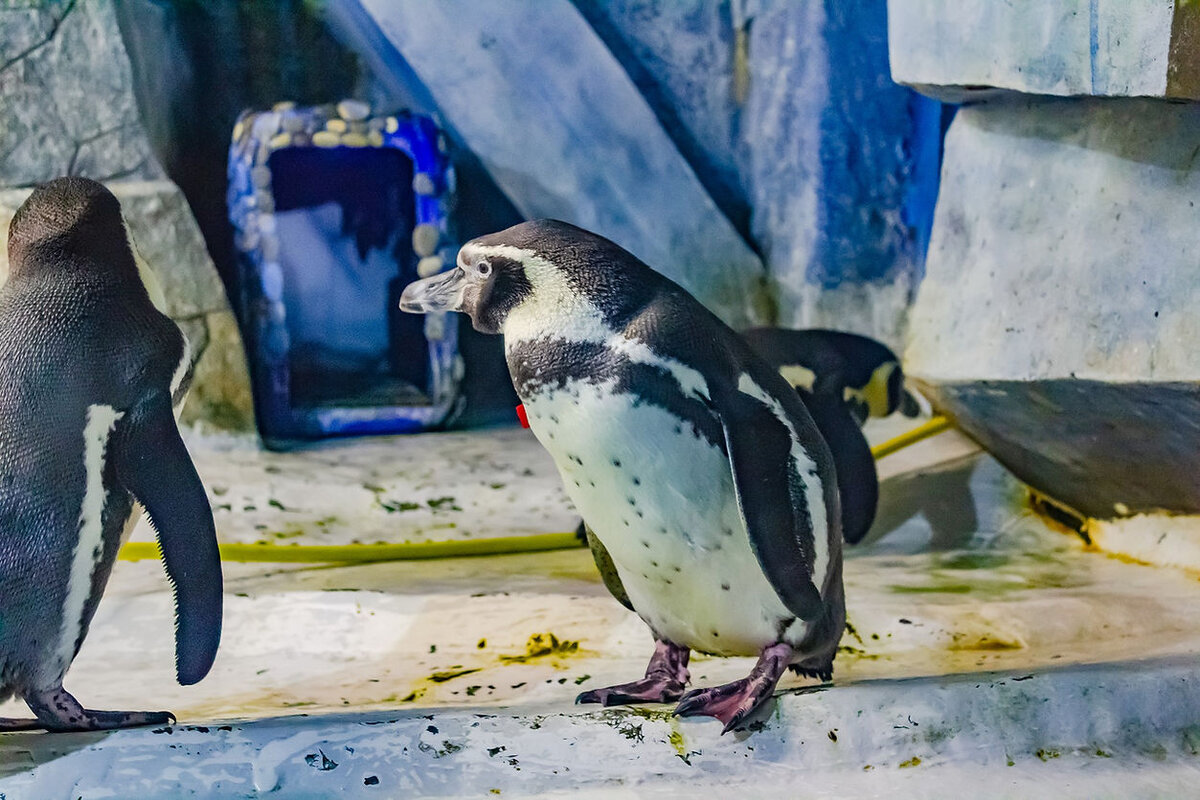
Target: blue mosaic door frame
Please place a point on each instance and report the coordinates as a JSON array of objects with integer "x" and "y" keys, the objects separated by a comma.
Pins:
[{"x": 263, "y": 312}]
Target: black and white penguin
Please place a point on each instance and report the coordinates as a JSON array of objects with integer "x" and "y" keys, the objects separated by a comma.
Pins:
[
  {"x": 842, "y": 378},
  {"x": 710, "y": 493},
  {"x": 90, "y": 374}
]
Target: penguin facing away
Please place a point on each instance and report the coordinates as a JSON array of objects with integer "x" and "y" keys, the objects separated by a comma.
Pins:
[
  {"x": 90, "y": 375},
  {"x": 702, "y": 477}
]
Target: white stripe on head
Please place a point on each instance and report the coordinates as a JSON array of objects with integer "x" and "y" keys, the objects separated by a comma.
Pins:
[
  {"x": 89, "y": 548},
  {"x": 557, "y": 310},
  {"x": 806, "y": 469}
]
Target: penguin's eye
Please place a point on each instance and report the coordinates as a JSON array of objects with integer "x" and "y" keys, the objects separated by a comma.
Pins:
[{"x": 483, "y": 268}]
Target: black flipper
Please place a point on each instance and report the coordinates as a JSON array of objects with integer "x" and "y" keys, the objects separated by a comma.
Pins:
[
  {"x": 604, "y": 563},
  {"x": 153, "y": 463},
  {"x": 858, "y": 481},
  {"x": 759, "y": 447}
]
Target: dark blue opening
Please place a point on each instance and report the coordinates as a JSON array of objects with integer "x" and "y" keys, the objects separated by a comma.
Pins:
[{"x": 344, "y": 220}]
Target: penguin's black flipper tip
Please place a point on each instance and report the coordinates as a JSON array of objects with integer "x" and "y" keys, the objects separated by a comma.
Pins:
[{"x": 154, "y": 465}]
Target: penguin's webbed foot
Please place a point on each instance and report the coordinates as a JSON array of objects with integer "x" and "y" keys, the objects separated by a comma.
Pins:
[
  {"x": 665, "y": 681},
  {"x": 57, "y": 710},
  {"x": 737, "y": 704}
]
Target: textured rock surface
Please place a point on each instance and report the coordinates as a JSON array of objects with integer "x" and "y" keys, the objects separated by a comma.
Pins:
[
  {"x": 573, "y": 138},
  {"x": 170, "y": 245},
  {"x": 220, "y": 393},
  {"x": 1064, "y": 245},
  {"x": 1076, "y": 47},
  {"x": 687, "y": 58},
  {"x": 786, "y": 112},
  {"x": 842, "y": 165},
  {"x": 67, "y": 107},
  {"x": 66, "y": 95}
]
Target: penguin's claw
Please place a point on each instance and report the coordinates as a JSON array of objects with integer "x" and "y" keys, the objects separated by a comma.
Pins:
[
  {"x": 665, "y": 681},
  {"x": 732, "y": 703},
  {"x": 737, "y": 704},
  {"x": 656, "y": 689}
]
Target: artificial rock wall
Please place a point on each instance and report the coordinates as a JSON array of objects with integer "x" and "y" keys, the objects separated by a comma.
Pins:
[
  {"x": 67, "y": 108},
  {"x": 1056, "y": 319},
  {"x": 757, "y": 152}
]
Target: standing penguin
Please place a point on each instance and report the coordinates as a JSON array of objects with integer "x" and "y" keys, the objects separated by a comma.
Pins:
[
  {"x": 90, "y": 373},
  {"x": 842, "y": 378},
  {"x": 707, "y": 486}
]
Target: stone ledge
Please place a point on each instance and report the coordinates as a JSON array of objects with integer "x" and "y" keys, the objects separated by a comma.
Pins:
[
  {"x": 1140, "y": 715},
  {"x": 950, "y": 48}
]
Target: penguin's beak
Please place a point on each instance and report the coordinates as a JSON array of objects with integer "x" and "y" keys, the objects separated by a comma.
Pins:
[{"x": 442, "y": 292}]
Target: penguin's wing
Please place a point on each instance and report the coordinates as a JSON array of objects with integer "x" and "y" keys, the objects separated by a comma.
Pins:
[
  {"x": 604, "y": 563},
  {"x": 154, "y": 465},
  {"x": 760, "y": 451},
  {"x": 858, "y": 482}
]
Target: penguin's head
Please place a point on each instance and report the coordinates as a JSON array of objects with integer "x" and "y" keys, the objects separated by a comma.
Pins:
[
  {"x": 64, "y": 219},
  {"x": 544, "y": 267}
]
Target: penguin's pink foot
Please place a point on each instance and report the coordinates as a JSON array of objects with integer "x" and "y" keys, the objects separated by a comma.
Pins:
[
  {"x": 736, "y": 703},
  {"x": 666, "y": 677},
  {"x": 57, "y": 710}
]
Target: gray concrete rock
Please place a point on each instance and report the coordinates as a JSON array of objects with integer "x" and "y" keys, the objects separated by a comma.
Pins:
[
  {"x": 689, "y": 59},
  {"x": 1064, "y": 245},
  {"x": 66, "y": 95},
  {"x": 220, "y": 393},
  {"x": 1075, "y": 47},
  {"x": 572, "y": 137},
  {"x": 841, "y": 164}
]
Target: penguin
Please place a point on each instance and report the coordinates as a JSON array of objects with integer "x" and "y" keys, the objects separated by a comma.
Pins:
[
  {"x": 91, "y": 374},
  {"x": 841, "y": 378},
  {"x": 857, "y": 369},
  {"x": 710, "y": 494}
]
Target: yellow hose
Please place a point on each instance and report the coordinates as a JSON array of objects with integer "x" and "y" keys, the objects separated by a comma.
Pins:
[
  {"x": 407, "y": 551},
  {"x": 365, "y": 553},
  {"x": 931, "y": 428}
]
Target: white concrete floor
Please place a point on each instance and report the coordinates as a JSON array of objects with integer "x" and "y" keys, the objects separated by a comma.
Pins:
[{"x": 974, "y": 626}]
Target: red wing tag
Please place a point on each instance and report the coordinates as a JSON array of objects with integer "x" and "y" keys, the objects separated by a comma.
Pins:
[{"x": 522, "y": 416}]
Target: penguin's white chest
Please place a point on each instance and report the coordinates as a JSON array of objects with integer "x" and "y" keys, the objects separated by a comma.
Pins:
[{"x": 662, "y": 500}]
